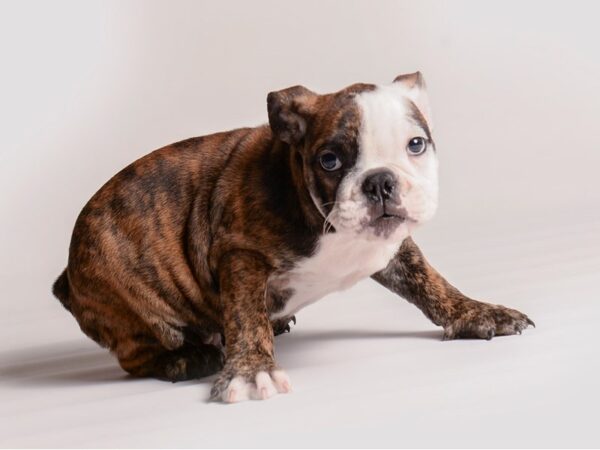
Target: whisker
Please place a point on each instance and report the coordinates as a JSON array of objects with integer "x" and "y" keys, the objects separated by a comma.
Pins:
[
  {"x": 327, "y": 225},
  {"x": 329, "y": 203}
]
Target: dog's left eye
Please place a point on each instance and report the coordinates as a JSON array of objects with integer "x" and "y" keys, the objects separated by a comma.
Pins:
[
  {"x": 416, "y": 146},
  {"x": 330, "y": 161}
]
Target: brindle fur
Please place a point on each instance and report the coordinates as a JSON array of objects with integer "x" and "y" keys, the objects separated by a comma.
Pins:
[
  {"x": 409, "y": 275},
  {"x": 181, "y": 245}
]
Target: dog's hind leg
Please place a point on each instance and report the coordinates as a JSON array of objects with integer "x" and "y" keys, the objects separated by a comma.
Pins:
[{"x": 144, "y": 356}]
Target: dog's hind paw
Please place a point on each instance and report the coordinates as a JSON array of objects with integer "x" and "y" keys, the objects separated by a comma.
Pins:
[{"x": 282, "y": 325}]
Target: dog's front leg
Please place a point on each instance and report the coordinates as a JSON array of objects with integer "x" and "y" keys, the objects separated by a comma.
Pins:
[
  {"x": 250, "y": 371},
  {"x": 409, "y": 275}
]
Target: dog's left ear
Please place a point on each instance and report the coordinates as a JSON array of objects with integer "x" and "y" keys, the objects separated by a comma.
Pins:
[
  {"x": 414, "y": 87},
  {"x": 411, "y": 80},
  {"x": 289, "y": 112}
]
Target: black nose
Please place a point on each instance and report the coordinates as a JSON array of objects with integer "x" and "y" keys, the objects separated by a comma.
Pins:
[{"x": 379, "y": 186}]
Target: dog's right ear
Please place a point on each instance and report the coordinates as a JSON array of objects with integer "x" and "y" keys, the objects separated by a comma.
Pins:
[{"x": 289, "y": 111}]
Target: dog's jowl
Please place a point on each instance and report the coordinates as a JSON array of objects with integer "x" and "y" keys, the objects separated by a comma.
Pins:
[{"x": 188, "y": 262}]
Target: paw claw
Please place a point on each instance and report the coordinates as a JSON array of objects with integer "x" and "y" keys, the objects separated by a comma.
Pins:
[
  {"x": 282, "y": 382},
  {"x": 530, "y": 322},
  {"x": 283, "y": 325},
  {"x": 231, "y": 397}
]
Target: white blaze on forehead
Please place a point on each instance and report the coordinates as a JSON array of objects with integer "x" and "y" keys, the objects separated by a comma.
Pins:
[{"x": 386, "y": 126}]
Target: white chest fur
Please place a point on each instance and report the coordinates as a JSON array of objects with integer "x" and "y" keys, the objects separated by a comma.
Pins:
[{"x": 341, "y": 260}]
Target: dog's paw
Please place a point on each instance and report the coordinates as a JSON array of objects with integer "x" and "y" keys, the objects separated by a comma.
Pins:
[
  {"x": 282, "y": 325},
  {"x": 484, "y": 321},
  {"x": 261, "y": 386}
]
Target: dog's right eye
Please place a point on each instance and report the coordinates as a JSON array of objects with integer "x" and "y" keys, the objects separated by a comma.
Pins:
[{"x": 330, "y": 161}]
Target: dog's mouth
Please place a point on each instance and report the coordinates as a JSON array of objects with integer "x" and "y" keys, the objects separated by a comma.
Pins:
[
  {"x": 385, "y": 221},
  {"x": 389, "y": 216}
]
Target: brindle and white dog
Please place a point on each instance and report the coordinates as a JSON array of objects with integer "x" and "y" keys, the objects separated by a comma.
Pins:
[{"x": 190, "y": 260}]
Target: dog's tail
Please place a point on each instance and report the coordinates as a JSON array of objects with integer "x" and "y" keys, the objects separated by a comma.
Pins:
[{"x": 60, "y": 289}]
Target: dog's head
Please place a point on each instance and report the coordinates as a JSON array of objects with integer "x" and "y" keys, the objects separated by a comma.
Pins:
[{"x": 368, "y": 156}]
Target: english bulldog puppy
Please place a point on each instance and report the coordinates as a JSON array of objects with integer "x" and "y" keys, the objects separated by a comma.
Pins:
[{"x": 190, "y": 260}]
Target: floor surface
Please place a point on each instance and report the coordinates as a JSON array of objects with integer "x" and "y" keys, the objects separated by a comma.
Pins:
[{"x": 367, "y": 368}]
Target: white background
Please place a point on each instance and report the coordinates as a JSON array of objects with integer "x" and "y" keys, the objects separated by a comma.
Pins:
[{"x": 87, "y": 87}]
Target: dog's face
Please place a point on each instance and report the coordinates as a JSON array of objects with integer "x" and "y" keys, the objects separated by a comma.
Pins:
[{"x": 368, "y": 156}]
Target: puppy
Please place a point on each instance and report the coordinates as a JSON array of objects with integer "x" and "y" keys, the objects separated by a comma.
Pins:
[{"x": 188, "y": 261}]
